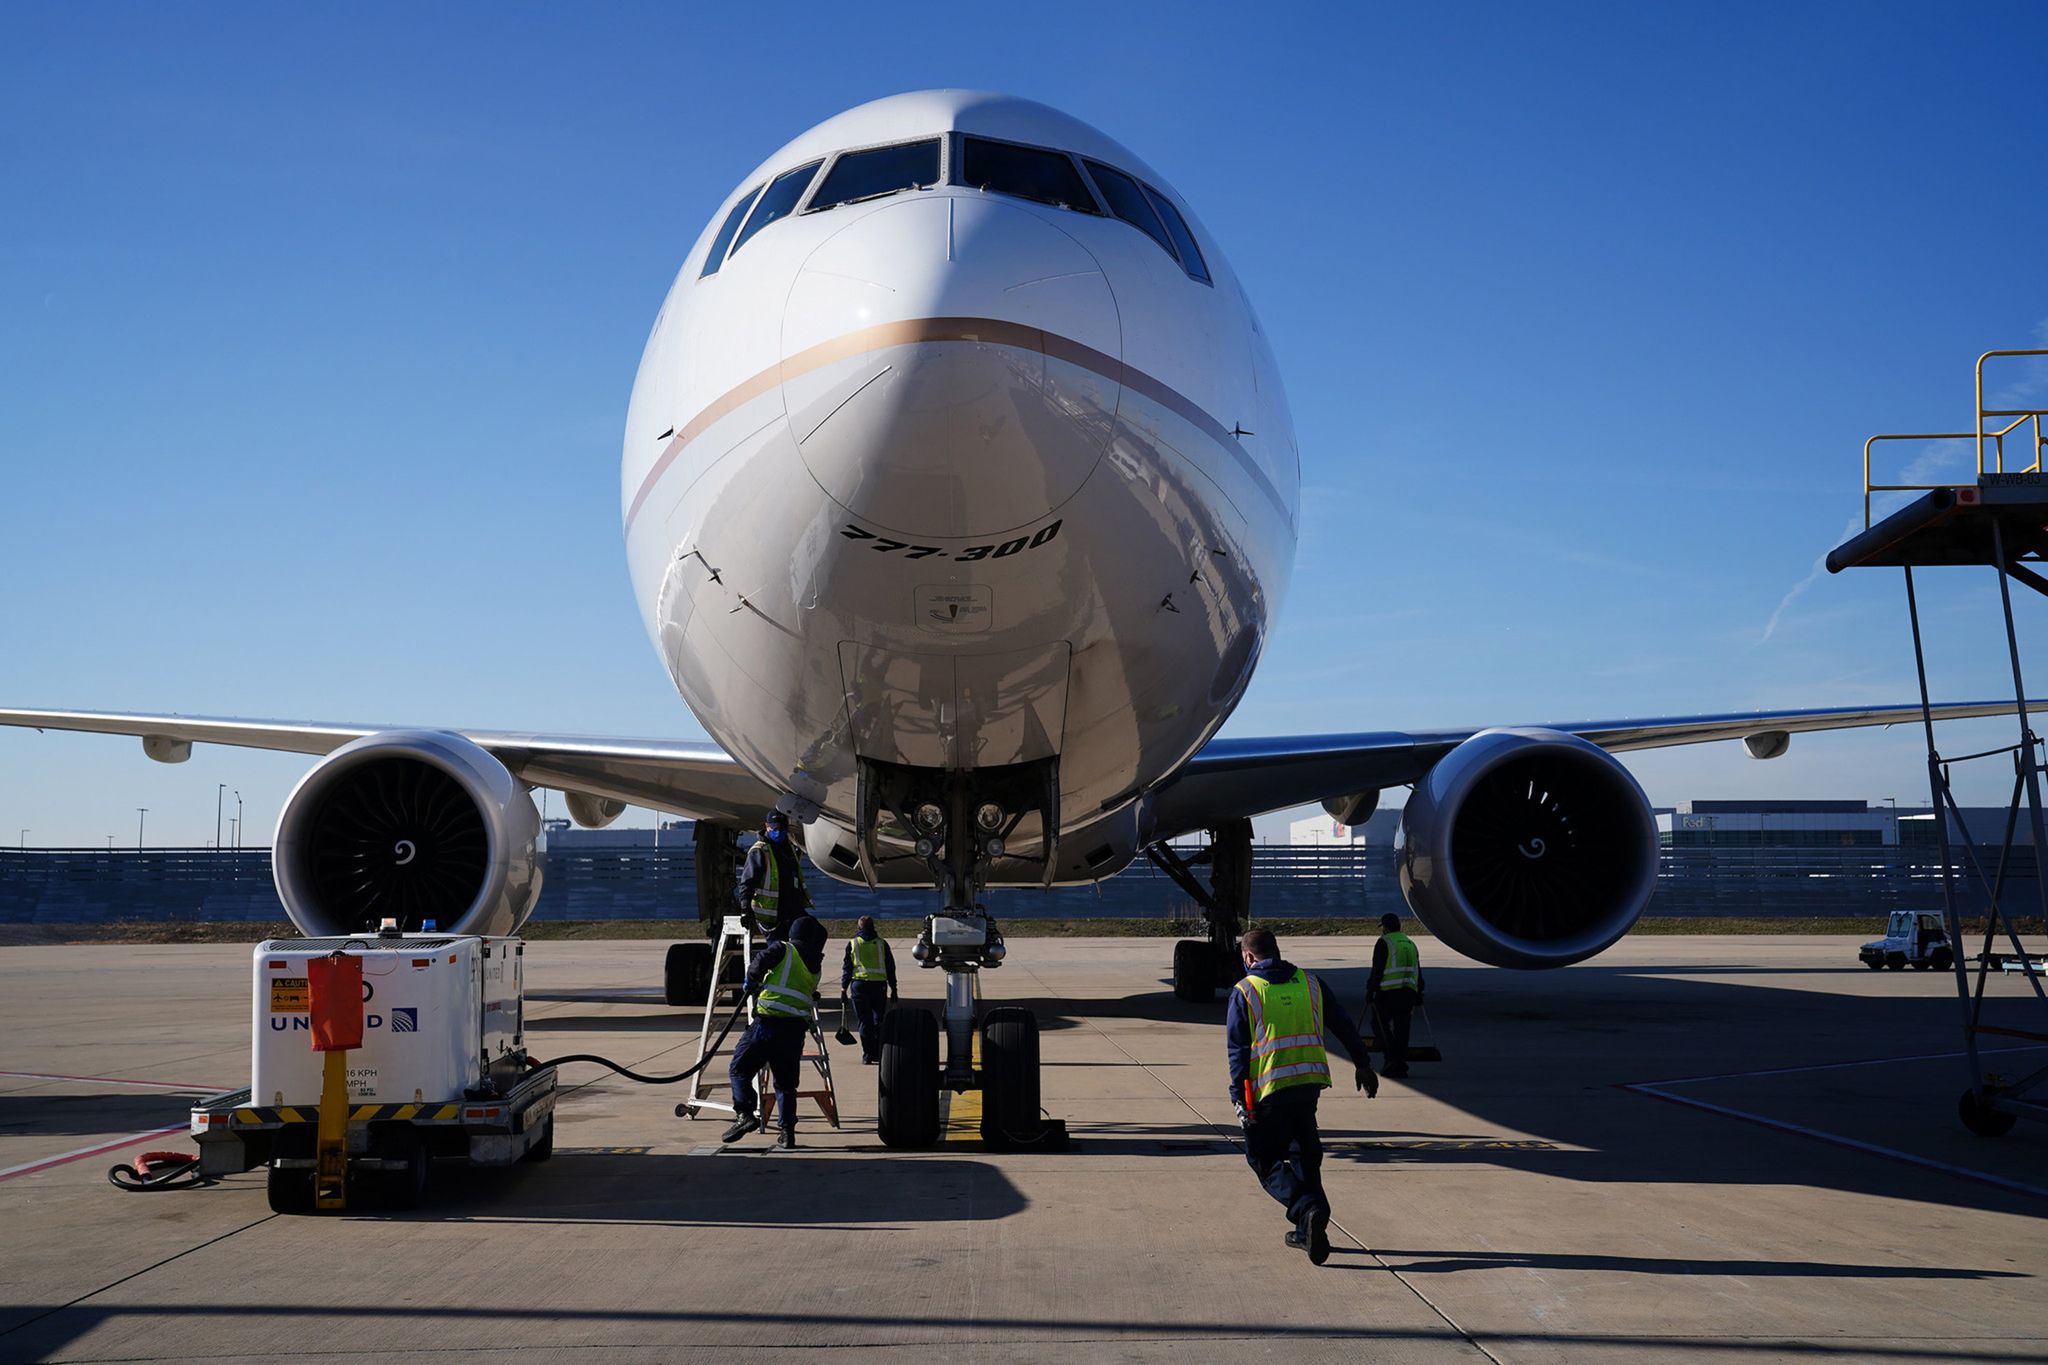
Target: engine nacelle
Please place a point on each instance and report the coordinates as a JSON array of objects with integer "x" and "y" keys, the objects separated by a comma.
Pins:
[
  {"x": 409, "y": 825},
  {"x": 1528, "y": 848}
]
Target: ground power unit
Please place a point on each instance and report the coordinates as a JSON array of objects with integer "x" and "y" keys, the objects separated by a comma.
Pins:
[{"x": 440, "y": 1069}]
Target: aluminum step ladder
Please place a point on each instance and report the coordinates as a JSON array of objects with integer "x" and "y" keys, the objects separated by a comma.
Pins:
[{"x": 729, "y": 959}]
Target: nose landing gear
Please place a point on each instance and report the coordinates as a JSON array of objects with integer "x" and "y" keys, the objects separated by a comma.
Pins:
[{"x": 959, "y": 821}]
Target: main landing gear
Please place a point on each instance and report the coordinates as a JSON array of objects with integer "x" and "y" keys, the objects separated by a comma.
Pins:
[
  {"x": 1200, "y": 965},
  {"x": 686, "y": 972},
  {"x": 959, "y": 821}
]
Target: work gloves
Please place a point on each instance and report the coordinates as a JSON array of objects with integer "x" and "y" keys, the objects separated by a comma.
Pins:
[{"x": 1367, "y": 1082}]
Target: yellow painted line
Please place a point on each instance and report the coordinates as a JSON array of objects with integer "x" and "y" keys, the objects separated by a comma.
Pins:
[{"x": 963, "y": 1113}]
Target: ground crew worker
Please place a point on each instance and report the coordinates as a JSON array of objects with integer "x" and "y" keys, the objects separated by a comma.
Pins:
[
  {"x": 1278, "y": 1070},
  {"x": 1392, "y": 991},
  {"x": 869, "y": 977},
  {"x": 772, "y": 883},
  {"x": 783, "y": 981}
]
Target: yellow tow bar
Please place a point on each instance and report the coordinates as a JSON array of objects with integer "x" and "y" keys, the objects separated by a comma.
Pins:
[{"x": 330, "y": 1170}]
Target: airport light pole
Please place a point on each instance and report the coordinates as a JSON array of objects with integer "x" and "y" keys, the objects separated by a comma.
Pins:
[
  {"x": 24, "y": 838},
  {"x": 219, "y": 795},
  {"x": 141, "y": 812},
  {"x": 238, "y": 819}
]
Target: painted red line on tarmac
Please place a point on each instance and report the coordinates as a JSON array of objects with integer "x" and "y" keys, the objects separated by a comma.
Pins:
[
  {"x": 114, "y": 1080},
  {"x": 1837, "y": 1140},
  {"x": 132, "y": 1140}
]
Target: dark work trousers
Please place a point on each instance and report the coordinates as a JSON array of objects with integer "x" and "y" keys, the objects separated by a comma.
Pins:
[
  {"x": 1390, "y": 1011},
  {"x": 870, "y": 1003},
  {"x": 776, "y": 1045},
  {"x": 1286, "y": 1152}
]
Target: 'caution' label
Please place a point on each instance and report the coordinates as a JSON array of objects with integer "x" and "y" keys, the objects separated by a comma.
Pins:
[{"x": 288, "y": 995}]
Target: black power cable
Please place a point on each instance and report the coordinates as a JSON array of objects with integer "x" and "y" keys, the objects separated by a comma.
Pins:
[
  {"x": 159, "y": 1171},
  {"x": 633, "y": 1075}
]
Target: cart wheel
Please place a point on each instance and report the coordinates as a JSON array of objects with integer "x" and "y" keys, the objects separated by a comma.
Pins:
[
  {"x": 543, "y": 1146},
  {"x": 1874, "y": 965},
  {"x": 1980, "y": 1118},
  {"x": 1943, "y": 959},
  {"x": 1896, "y": 962},
  {"x": 290, "y": 1191},
  {"x": 405, "y": 1189}
]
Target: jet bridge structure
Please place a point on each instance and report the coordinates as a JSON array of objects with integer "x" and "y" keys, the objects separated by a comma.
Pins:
[{"x": 1999, "y": 522}]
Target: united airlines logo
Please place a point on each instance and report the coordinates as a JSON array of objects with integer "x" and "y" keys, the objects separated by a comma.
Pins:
[{"x": 405, "y": 1020}]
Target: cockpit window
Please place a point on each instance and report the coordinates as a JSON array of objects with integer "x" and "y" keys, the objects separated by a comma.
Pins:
[
  {"x": 1190, "y": 254},
  {"x": 1027, "y": 172},
  {"x": 880, "y": 170},
  {"x": 716, "y": 256},
  {"x": 777, "y": 201},
  {"x": 1127, "y": 201}
]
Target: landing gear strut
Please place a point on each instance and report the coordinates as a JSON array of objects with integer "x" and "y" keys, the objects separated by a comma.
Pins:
[
  {"x": 1201, "y": 965},
  {"x": 686, "y": 972},
  {"x": 957, "y": 822}
]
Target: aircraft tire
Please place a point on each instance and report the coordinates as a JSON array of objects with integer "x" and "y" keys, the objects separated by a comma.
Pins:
[
  {"x": 907, "y": 1081},
  {"x": 1009, "y": 1076},
  {"x": 686, "y": 974},
  {"x": 1981, "y": 1119},
  {"x": 1194, "y": 970}
]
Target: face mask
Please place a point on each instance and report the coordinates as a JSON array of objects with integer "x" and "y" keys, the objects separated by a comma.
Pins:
[{"x": 776, "y": 835}]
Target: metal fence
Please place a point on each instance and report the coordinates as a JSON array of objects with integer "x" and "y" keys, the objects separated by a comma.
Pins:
[{"x": 85, "y": 886}]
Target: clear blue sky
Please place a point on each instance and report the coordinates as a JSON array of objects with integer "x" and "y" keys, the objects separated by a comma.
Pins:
[{"x": 319, "y": 324}]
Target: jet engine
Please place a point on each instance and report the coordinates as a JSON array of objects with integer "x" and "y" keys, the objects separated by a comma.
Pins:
[
  {"x": 411, "y": 826},
  {"x": 1528, "y": 848}
]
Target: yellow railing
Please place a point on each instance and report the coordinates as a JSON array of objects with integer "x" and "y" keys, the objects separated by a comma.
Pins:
[{"x": 1985, "y": 433}]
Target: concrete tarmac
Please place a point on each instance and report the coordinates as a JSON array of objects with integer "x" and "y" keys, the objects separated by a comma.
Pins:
[{"x": 1698, "y": 1149}]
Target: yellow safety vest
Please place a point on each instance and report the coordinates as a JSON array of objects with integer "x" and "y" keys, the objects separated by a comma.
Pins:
[
  {"x": 768, "y": 896},
  {"x": 867, "y": 959},
  {"x": 1287, "y": 1032},
  {"x": 790, "y": 990},
  {"x": 1404, "y": 964}
]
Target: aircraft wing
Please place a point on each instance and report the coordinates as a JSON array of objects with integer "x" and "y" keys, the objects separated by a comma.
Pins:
[
  {"x": 1235, "y": 778},
  {"x": 682, "y": 776}
]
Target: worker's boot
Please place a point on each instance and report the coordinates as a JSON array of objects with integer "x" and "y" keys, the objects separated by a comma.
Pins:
[
  {"x": 785, "y": 1141},
  {"x": 741, "y": 1126},
  {"x": 1312, "y": 1234}
]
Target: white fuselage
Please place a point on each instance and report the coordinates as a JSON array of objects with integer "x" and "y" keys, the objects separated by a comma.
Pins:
[{"x": 953, "y": 478}]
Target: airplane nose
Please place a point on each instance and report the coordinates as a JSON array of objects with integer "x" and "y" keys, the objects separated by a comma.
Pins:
[{"x": 950, "y": 366}]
